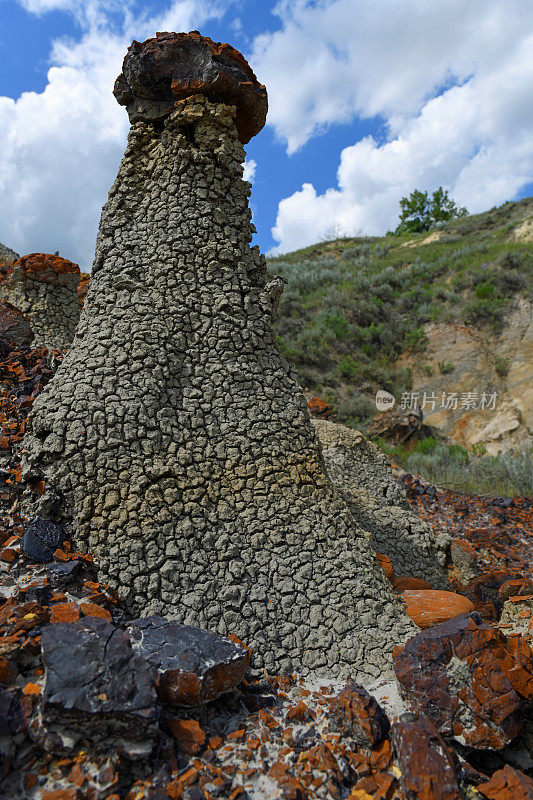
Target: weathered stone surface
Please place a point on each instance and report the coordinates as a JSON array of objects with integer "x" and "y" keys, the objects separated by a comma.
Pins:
[
  {"x": 15, "y": 328},
  {"x": 41, "y": 538},
  {"x": 95, "y": 684},
  {"x": 464, "y": 676},
  {"x": 362, "y": 475},
  {"x": 356, "y": 713},
  {"x": 11, "y": 714},
  {"x": 508, "y": 784},
  {"x": 192, "y": 666},
  {"x": 45, "y": 288},
  {"x": 424, "y": 760},
  {"x": 401, "y": 584},
  {"x": 7, "y": 255},
  {"x": 429, "y": 607},
  {"x": 188, "y": 734},
  {"x": 386, "y": 565},
  {"x": 173, "y": 66},
  {"x": 178, "y": 436}
]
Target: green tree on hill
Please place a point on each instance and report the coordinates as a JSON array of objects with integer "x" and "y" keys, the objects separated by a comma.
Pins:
[{"x": 419, "y": 212}]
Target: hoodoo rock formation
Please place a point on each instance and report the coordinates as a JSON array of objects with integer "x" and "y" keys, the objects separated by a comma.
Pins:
[
  {"x": 174, "y": 433},
  {"x": 45, "y": 288}
]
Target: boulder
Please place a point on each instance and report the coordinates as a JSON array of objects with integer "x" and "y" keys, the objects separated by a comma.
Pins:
[
  {"x": 507, "y": 784},
  {"x": 173, "y": 66},
  {"x": 357, "y": 714},
  {"x": 15, "y": 328},
  {"x": 429, "y": 607},
  {"x": 41, "y": 538},
  {"x": 463, "y": 674},
  {"x": 96, "y": 686},
  {"x": 425, "y": 762},
  {"x": 192, "y": 666},
  {"x": 362, "y": 475}
]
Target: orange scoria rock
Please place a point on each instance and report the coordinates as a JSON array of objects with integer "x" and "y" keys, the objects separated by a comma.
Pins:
[{"x": 428, "y": 607}]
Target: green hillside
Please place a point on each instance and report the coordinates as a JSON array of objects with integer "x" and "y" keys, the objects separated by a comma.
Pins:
[{"x": 352, "y": 307}]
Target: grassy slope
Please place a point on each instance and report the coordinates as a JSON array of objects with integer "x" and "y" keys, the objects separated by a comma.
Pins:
[{"x": 351, "y": 307}]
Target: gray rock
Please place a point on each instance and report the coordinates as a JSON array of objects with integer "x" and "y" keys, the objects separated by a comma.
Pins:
[
  {"x": 95, "y": 686},
  {"x": 192, "y": 666},
  {"x": 362, "y": 475}
]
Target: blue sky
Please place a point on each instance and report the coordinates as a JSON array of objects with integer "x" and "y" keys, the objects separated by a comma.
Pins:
[{"x": 364, "y": 108}]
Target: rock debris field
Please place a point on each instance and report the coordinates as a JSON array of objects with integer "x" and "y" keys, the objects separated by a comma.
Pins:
[{"x": 204, "y": 592}]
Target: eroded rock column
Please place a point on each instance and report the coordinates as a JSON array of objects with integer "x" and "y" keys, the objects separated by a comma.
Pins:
[
  {"x": 174, "y": 431},
  {"x": 45, "y": 288}
]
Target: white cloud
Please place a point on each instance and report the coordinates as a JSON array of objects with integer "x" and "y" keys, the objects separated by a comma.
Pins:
[
  {"x": 250, "y": 167},
  {"x": 451, "y": 81},
  {"x": 60, "y": 148}
]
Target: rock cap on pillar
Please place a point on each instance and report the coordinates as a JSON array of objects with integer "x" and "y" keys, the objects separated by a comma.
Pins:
[{"x": 172, "y": 66}]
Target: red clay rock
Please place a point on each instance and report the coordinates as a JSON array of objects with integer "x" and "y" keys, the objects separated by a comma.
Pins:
[
  {"x": 429, "y": 607},
  {"x": 94, "y": 610},
  {"x": 515, "y": 588},
  {"x": 83, "y": 286},
  {"x": 319, "y": 408},
  {"x": 386, "y": 565},
  {"x": 507, "y": 784},
  {"x": 15, "y": 328},
  {"x": 356, "y": 713},
  {"x": 188, "y": 734},
  {"x": 464, "y": 675},
  {"x": 64, "y": 612},
  {"x": 299, "y": 713},
  {"x": 426, "y": 764},
  {"x": 173, "y": 66},
  {"x": 44, "y": 268},
  {"x": 402, "y": 584}
]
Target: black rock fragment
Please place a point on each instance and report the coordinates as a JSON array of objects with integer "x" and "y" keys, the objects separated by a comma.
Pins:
[
  {"x": 96, "y": 685},
  {"x": 192, "y": 666},
  {"x": 41, "y": 538}
]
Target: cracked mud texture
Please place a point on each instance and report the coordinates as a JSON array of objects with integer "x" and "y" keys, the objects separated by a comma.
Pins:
[
  {"x": 45, "y": 288},
  {"x": 362, "y": 475},
  {"x": 178, "y": 436}
]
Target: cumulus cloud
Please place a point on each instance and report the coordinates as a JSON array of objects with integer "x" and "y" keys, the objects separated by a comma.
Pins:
[
  {"x": 60, "y": 148},
  {"x": 451, "y": 84},
  {"x": 250, "y": 167}
]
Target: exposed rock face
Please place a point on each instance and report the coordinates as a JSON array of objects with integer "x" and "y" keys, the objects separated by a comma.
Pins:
[
  {"x": 173, "y": 66},
  {"x": 482, "y": 362},
  {"x": 464, "y": 675},
  {"x": 15, "y": 328},
  {"x": 179, "y": 437},
  {"x": 362, "y": 475},
  {"x": 6, "y": 254},
  {"x": 44, "y": 288}
]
